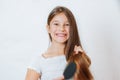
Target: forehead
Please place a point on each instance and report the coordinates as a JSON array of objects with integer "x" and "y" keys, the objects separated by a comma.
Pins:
[{"x": 60, "y": 18}]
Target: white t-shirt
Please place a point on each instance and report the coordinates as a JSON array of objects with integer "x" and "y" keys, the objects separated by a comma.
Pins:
[{"x": 49, "y": 68}]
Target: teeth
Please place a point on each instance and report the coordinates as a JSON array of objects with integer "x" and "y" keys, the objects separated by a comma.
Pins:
[{"x": 61, "y": 35}]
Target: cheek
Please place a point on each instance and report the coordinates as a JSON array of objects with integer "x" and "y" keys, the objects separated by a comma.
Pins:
[
  {"x": 68, "y": 32},
  {"x": 52, "y": 31}
]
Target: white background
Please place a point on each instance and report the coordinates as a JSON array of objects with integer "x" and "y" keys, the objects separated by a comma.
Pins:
[{"x": 23, "y": 34}]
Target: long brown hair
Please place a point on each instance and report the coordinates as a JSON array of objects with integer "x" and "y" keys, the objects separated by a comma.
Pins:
[{"x": 81, "y": 59}]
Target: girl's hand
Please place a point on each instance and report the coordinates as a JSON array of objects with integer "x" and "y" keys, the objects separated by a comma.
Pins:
[
  {"x": 59, "y": 78},
  {"x": 78, "y": 49}
]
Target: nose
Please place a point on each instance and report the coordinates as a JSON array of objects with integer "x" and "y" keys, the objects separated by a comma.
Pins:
[{"x": 62, "y": 28}]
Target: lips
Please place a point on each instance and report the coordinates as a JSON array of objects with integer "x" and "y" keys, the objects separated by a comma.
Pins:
[{"x": 61, "y": 34}]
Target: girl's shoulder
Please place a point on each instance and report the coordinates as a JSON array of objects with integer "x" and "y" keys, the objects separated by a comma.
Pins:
[
  {"x": 36, "y": 63},
  {"x": 39, "y": 55}
]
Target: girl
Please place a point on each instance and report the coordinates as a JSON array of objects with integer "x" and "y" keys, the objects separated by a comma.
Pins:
[{"x": 65, "y": 47}]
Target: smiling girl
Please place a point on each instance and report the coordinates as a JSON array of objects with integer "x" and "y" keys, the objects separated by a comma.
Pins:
[{"x": 65, "y": 47}]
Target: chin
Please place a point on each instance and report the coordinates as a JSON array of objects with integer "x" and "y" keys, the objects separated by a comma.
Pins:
[{"x": 61, "y": 41}]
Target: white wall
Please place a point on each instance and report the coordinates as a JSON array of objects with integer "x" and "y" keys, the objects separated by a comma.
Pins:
[{"x": 23, "y": 34}]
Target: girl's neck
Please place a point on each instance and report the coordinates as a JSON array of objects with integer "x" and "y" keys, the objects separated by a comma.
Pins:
[{"x": 56, "y": 48}]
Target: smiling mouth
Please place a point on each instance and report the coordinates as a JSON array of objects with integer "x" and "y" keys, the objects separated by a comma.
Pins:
[{"x": 61, "y": 34}]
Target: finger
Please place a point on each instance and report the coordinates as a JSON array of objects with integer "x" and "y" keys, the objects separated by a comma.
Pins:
[
  {"x": 75, "y": 49},
  {"x": 80, "y": 49},
  {"x": 59, "y": 78}
]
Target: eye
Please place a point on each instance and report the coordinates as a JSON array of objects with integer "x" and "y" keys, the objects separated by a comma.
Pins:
[
  {"x": 67, "y": 24},
  {"x": 55, "y": 24}
]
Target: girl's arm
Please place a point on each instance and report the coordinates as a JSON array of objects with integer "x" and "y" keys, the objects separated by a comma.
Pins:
[
  {"x": 32, "y": 75},
  {"x": 75, "y": 77},
  {"x": 62, "y": 78},
  {"x": 59, "y": 78}
]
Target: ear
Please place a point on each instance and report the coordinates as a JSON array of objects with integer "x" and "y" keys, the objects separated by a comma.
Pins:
[{"x": 48, "y": 28}]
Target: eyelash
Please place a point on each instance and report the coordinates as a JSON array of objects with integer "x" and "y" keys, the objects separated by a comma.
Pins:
[
  {"x": 58, "y": 24},
  {"x": 67, "y": 24}
]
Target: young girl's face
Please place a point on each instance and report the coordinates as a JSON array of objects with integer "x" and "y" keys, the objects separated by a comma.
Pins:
[{"x": 59, "y": 28}]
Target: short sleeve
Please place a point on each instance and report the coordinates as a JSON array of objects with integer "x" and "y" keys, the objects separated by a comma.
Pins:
[{"x": 35, "y": 64}]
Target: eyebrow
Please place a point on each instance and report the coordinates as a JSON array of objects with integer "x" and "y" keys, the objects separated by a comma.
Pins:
[
  {"x": 58, "y": 21},
  {"x": 55, "y": 21}
]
